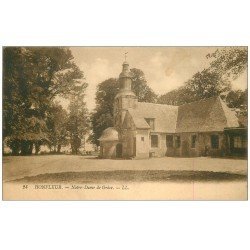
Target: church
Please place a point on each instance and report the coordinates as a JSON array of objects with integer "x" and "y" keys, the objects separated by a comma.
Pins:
[{"x": 142, "y": 130}]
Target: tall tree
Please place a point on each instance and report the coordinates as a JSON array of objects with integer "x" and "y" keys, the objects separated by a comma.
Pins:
[
  {"x": 32, "y": 78},
  {"x": 141, "y": 88},
  {"x": 57, "y": 130},
  {"x": 206, "y": 84},
  {"x": 102, "y": 117},
  {"x": 78, "y": 120}
]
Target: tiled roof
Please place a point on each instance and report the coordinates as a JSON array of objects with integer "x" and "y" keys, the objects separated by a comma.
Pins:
[
  {"x": 165, "y": 116},
  {"x": 206, "y": 115}
]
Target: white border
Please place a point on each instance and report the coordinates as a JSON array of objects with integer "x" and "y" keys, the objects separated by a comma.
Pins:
[{"x": 124, "y": 225}]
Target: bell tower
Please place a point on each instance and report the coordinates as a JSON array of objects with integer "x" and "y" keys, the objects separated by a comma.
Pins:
[{"x": 125, "y": 98}]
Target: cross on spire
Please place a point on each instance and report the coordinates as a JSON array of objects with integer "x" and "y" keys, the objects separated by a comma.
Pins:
[{"x": 126, "y": 56}]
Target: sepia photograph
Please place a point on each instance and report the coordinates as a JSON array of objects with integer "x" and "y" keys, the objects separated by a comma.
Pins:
[{"x": 125, "y": 123}]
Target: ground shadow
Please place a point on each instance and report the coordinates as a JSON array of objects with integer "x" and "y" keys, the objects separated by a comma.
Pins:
[{"x": 132, "y": 176}]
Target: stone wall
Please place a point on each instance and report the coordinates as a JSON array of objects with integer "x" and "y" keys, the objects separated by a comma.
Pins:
[
  {"x": 142, "y": 143},
  {"x": 108, "y": 149},
  {"x": 202, "y": 145}
]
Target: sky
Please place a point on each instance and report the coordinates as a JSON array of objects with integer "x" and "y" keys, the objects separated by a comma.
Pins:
[{"x": 165, "y": 68}]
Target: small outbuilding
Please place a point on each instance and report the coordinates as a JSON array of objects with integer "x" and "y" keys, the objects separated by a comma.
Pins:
[{"x": 109, "y": 143}]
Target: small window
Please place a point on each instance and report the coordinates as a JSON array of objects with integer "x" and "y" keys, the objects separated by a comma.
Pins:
[
  {"x": 154, "y": 141},
  {"x": 169, "y": 141},
  {"x": 215, "y": 141},
  {"x": 151, "y": 122},
  {"x": 142, "y": 138},
  {"x": 177, "y": 141},
  {"x": 193, "y": 141}
]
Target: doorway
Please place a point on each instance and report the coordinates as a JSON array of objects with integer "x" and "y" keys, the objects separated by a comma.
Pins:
[
  {"x": 119, "y": 150},
  {"x": 185, "y": 148}
]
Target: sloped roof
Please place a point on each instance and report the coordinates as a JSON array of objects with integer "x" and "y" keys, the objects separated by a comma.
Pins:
[
  {"x": 109, "y": 134},
  {"x": 232, "y": 120},
  {"x": 165, "y": 116},
  {"x": 206, "y": 115}
]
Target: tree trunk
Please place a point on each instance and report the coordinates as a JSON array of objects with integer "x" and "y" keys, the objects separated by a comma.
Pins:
[
  {"x": 75, "y": 145},
  {"x": 30, "y": 148},
  {"x": 15, "y": 147},
  {"x": 37, "y": 147},
  {"x": 59, "y": 148},
  {"x": 26, "y": 147}
]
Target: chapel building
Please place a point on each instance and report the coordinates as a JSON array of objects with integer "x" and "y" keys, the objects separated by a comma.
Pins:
[{"x": 143, "y": 130}]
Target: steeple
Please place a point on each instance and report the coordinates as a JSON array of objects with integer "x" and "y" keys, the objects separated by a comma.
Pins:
[
  {"x": 125, "y": 80},
  {"x": 125, "y": 97}
]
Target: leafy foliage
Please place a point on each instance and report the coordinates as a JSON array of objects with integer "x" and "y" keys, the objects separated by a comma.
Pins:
[
  {"x": 102, "y": 117},
  {"x": 78, "y": 120},
  {"x": 32, "y": 78},
  {"x": 56, "y": 124},
  {"x": 141, "y": 88},
  {"x": 226, "y": 64},
  {"x": 206, "y": 84},
  {"x": 229, "y": 62},
  {"x": 237, "y": 100}
]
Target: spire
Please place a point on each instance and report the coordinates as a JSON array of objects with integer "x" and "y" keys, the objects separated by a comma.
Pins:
[
  {"x": 125, "y": 55},
  {"x": 125, "y": 68},
  {"x": 125, "y": 79}
]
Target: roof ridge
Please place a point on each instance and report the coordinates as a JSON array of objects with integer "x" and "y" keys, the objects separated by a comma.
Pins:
[{"x": 159, "y": 104}]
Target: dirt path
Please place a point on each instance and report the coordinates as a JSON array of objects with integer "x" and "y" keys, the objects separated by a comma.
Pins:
[{"x": 21, "y": 166}]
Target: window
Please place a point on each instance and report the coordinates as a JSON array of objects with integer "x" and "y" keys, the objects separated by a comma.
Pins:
[
  {"x": 239, "y": 142},
  {"x": 154, "y": 141},
  {"x": 193, "y": 141},
  {"x": 169, "y": 141},
  {"x": 142, "y": 138},
  {"x": 151, "y": 122},
  {"x": 244, "y": 142},
  {"x": 215, "y": 141},
  {"x": 177, "y": 141}
]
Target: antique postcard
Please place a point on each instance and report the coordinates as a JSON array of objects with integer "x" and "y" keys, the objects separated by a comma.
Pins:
[{"x": 125, "y": 123}]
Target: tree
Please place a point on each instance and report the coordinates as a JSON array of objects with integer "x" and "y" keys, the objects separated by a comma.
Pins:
[
  {"x": 141, "y": 88},
  {"x": 32, "y": 78},
  {"x": 177, "y": 97},
  {"x": 31, "y": 133},
  {"x": 206, "y": 84},
  {"x": 229, "y": 61},
  {"x": 237, "y": 100},
  {"x": 78, "y": 120},
  {"x": 202, "y": 85},
  {"x": 226, "y": 64},
  {"x": 102, "y": 116},
  {"x": 57, "y": 130}
]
